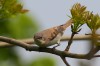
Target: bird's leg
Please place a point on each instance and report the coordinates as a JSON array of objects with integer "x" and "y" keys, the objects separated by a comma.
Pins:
[{"x": 56, "y": 46}]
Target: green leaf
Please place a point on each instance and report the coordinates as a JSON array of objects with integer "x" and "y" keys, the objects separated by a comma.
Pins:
[
  {"x": 22, "y": 27},
  {"x": 42, "y": 62},
  {"x": 78, "y": 16},
  {"x": 9, "y": 8},
  {"x": 94, "y": 22}
]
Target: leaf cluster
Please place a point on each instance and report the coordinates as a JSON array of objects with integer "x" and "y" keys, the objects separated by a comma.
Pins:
[
  {"x": 19, "y": 26},
  {"x": 9, "y": 8},
  {"x": 78, "y": 14},
  {"x": 94, "y": 21},
  {"x": 81, "y": 16}
]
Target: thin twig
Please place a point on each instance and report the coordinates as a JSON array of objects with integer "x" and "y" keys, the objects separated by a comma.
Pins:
[
  {"x": 28, "y": 41},
  {"x": 70, "y": 42},
  {"x": 96, "y": 56},
  {"x": 91, "y": 34},
  {"x": 92, "y": 52},
  {"x": 64, "y": 60},
  {"x": 94, "y": 49}
]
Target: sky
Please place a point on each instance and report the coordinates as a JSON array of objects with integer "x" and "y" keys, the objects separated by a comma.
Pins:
[{"x": 51, "y": 13}]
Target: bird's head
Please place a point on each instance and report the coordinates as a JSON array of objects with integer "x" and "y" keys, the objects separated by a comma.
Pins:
[{"x": 38, "y": 39}]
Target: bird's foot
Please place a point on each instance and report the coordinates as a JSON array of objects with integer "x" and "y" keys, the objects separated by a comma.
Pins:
[{"x": 55, "y": 46}]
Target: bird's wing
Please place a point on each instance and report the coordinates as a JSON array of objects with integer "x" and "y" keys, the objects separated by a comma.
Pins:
[{"x": 49, "y": 34}]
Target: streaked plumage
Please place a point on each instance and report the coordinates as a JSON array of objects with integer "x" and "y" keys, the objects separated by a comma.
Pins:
[{"x": 51, "y": 36}]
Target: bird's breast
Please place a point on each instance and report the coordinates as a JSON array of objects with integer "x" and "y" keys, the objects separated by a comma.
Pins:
[{"x": 56, "y": 40}]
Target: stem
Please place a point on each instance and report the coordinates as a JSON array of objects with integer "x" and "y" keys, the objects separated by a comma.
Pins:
[
  {"x": 70, "y": 42},
  {"x": 64, "y": 60},
  {"x": 94, "y": 48},
  {"x": 92, "y": 52}
]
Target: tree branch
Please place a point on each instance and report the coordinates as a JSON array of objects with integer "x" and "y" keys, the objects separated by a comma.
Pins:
[
  {"x": 96, "y": 56},
  {"x": 64, "y": 38},
  {"x": 31, "y": 47},
  {"x": 36, "y": 48},
  {"x": 64, "y": 60},
  {"x": 70, "y": 41},
  {"x": 28, "y": 41},
  {"x": 93, "y": 52}
]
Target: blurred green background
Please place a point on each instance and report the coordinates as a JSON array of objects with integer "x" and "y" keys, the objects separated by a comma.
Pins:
[{"x": 15, "y": 24}]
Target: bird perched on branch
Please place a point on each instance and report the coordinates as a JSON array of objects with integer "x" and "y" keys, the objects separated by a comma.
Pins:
[{"x": 51, "y": 36}]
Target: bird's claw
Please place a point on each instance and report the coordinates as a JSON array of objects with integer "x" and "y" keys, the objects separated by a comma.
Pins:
[{"x": 55, "y": 46}]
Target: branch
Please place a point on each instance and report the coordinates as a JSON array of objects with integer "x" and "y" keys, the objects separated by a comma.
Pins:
[
  {"x": 96, "y": 56},
  {"x": 93, "y": 52},
  {"x": 64, "y": 60},
  {"x": 28, "y": 41},
  {"x": 64, "y": 38},
  {"x": 94, "y": 49},
  {"x": 70, "y": 41},
  {"x": 36, "y": 48},
  {"x": 91, "y": 34},
  {"x": 28, "y": 47}
]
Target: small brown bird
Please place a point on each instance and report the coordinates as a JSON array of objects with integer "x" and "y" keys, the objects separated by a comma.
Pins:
[{"x": 51, "y": 36}]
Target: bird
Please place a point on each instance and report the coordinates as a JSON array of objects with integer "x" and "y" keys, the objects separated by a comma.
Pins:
[{"x": 51, "y": 36}]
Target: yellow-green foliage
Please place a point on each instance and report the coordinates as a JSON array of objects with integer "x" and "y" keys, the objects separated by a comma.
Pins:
[
  {"x": 78, "y": 14},
  {"x": 94, "y": 22},
  {"x": 9, "y": 8},
  {"x": 19, "y": 26},
  {"x": 81, "y": 16}
]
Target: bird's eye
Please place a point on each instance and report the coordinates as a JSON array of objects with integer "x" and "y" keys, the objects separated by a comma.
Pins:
[{"x": 39, "y": 38}]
